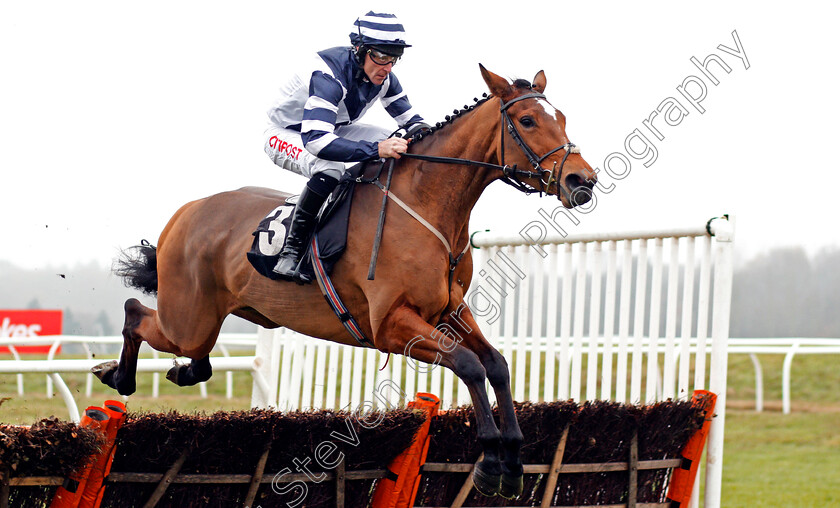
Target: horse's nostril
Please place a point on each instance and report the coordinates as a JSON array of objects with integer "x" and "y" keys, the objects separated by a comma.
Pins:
[
  {"x": 580, "y": 190},
  {"x": 573, "y": 181},
  {"x": 581, "y": 196}
]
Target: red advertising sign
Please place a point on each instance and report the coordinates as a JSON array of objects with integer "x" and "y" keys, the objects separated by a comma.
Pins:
[{"x": 28, "y": 324}]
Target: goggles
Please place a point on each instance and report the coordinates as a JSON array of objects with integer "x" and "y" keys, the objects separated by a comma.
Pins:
[{"x": 380, "y": 58}]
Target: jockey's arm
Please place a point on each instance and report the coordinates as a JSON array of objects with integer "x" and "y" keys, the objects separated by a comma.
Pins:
[{"x": 318, "y": 126}]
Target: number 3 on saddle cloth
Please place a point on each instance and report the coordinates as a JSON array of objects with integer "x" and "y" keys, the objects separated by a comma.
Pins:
[{"x": 271, "y": 233}]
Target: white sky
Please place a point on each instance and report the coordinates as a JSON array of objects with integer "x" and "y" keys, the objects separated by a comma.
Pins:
[{"x": 113, "y": 114}]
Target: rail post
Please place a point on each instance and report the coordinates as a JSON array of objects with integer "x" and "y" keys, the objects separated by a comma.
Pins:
[
  {"x": 267, "y": 371},
  {"x": 724, "y": 231}
]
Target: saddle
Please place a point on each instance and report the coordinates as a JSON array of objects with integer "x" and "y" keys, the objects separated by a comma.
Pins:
[{"x": 331, "y": 230}]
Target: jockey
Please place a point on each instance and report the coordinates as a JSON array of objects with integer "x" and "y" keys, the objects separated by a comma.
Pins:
[{"x": 312, "y": 127}]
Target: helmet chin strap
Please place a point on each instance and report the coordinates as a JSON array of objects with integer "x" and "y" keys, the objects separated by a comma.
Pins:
[{"x": 359, "y": 53}]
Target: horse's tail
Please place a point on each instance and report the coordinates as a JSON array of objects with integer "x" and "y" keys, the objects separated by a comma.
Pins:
[{"x": 137, "y": 266}]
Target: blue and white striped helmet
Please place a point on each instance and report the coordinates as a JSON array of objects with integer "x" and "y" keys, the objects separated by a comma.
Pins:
[{"x": 381, "y": 31}]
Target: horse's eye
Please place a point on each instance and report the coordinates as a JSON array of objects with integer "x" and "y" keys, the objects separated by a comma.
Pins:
[{"x": 527, "y": 122}]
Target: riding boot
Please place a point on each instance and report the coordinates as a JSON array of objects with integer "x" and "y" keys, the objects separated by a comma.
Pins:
[{"x": 304, "y": 219}]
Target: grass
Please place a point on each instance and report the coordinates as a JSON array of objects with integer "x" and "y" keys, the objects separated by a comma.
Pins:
[
  {"x": 770, "y": 459},
  {"x": 777, "y": 460}
]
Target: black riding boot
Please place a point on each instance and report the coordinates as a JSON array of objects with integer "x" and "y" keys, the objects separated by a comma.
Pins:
[{"x": 304, "y": 219}]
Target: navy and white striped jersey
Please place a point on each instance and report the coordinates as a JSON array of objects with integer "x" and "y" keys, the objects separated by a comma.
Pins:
[{"x": 332, "y": 92}]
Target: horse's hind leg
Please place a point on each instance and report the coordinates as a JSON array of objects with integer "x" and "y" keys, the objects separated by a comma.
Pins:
[
  {"x": 141, "y": 323},
  {"x": 122, "y": 376}
]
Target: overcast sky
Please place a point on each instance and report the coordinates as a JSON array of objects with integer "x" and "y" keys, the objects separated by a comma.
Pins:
[{"x": 113, "y": 114}]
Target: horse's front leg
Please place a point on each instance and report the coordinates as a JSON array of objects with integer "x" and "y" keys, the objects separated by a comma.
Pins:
[
  {"x": 464, "y": 328},
  {"x": 405, "y": 332}
]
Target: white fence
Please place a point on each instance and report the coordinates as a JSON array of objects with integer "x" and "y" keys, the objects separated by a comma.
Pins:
[
  {"x": 788, "y": 346},
  {"x": 223, "y": 346},
  {"x": 615, "y": 289},
  {"x": 53, "y": 368}
]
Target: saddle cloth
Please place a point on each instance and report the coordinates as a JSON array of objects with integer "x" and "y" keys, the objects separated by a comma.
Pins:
[{"x": 272, "y": 231}]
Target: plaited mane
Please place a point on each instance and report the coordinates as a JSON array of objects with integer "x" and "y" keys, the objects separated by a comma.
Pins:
[{"x": 518, "y": 83}]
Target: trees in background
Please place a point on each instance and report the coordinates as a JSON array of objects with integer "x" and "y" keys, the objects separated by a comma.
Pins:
[{"x": 784, "y": 293}]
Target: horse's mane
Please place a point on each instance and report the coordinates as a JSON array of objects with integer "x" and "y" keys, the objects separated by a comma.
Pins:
[{"x": 517, "y": 83}]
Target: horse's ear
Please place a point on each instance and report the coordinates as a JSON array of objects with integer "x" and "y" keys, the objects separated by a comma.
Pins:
[
  {"x": 498, "y": 85},
  {"x": 539, "y": 82}
]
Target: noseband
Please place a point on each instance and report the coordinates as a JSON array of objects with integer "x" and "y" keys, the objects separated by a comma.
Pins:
[
  {"x": 512, "y": 175},
  {"x": 545, "y": 176}
]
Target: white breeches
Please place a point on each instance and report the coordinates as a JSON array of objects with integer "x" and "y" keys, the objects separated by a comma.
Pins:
[{"x": 285, "y": 148}]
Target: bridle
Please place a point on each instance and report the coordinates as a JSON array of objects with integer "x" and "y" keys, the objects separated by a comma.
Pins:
[
  {"x": 545, "y": 176},
  {"x": 512, "y": 175}
]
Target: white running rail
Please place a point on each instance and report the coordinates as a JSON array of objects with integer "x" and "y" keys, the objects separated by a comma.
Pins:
[{"x": 55, "y": 367}]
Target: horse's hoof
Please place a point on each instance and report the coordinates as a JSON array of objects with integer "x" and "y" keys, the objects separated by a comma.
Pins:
[
  {"x": 174, "y": 373},
  {"x": 486, "y": 484},
  {"x": 105, "y": 372},
  {"x": 511, "y": 486},
  {"x": 182, "y": 376}
]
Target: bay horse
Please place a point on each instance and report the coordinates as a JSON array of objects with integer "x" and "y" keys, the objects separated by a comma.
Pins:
[{"x": 200, "y": 273}]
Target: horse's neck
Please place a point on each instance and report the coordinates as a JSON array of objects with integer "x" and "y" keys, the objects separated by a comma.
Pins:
[{"x": 447, "y": 193}]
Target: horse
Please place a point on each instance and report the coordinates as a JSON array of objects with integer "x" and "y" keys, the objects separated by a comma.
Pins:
[{"x": 200, "y": 274}]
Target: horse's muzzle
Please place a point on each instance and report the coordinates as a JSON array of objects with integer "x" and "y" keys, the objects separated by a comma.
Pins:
[{"x": 580, "y": 189}]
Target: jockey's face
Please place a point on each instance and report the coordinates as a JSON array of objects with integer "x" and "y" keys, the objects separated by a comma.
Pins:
[{"x": 375, "y": 72}]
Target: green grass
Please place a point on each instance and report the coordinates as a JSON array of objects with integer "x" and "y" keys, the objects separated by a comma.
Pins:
[
  {"x": 776, "y": 460},
  {"x": 770, "y": 459}
]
